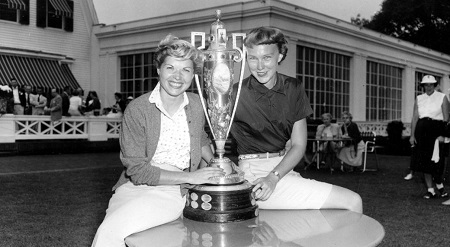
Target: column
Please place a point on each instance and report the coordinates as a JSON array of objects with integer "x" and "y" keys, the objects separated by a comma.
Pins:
[{"x": 358, "y": 87}]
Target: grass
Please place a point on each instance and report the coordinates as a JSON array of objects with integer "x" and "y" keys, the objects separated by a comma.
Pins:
[{"x": 64, "y": 208}]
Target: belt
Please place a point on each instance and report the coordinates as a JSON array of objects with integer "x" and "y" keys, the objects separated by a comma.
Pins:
[
  {"x": 16, "y": 103},
  {"x": 261, "y": 155},
  {"x": 430, "y": 119}
]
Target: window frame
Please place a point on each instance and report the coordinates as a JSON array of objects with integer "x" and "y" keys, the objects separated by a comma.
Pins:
[
  {"x": 44, "y": 21},
  {"x": 326, "y": 77},
  {"x": 21, "y": 16},
  {"x": 384, "y": 84}
]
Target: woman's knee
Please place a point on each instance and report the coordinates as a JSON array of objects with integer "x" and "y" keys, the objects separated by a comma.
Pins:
[{"x": 342, "y": 198}]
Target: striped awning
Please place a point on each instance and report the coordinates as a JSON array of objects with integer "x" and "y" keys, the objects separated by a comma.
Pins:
[
  {"x": 17, "y": 4},
  {"x": 61, "y": 7},
  {"x": 36, "y": 72}
]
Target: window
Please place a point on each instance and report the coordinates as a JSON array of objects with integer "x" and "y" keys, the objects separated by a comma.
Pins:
[
  {"x": 383, "y": 92},
  {"x": 326, "y": 77},
  {"x": 418, "y": 79},
  {"x": 138, "y": 74},
  {"x": 55, "y": 14},
  {"x": 15, "y": 11}
]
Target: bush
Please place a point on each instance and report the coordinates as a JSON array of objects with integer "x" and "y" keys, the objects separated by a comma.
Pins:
[{"x": 395, "y": 133}]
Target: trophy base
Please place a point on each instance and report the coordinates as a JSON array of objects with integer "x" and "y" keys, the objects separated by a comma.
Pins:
[{"x": 221, "y": 203}]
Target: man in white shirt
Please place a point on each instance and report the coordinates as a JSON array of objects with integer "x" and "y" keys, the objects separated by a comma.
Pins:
[{"x": 16, "y": 97}]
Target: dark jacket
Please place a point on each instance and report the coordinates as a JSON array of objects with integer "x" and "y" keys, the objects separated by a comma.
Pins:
[
  {"x": 94, "y": 106},
  {"x": 65, "y": 104},
  {"x": 352, "y": 131}
]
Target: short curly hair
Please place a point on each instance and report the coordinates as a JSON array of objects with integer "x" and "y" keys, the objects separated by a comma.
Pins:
[
  {"x": 172, "y": 46},
  {"x": 348, "y": 114},
  {"x": 267, "y": 36}
]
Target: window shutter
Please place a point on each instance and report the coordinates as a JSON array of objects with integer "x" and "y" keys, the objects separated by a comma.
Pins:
[
  {"x": 69, "y": 20},
  {"x": 25, "y": 14},
  {"x": 41, "y": 13}
]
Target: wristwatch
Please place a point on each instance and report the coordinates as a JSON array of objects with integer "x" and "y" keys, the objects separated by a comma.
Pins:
[{"x": 276, "y": 174}]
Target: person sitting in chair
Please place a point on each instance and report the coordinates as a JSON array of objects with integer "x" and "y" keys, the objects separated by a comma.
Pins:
[
  {"x": 328, "y": 130},
  {"x": 351, "y": 153}
]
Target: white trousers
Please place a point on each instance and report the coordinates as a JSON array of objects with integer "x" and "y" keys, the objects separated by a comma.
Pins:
[
  {"x": 292, "y": 191},
  {"x": 134, "y": 208}
]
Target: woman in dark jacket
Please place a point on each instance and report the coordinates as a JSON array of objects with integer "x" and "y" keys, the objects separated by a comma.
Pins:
[
  {"x": 351, "y": 153},
  {"x": 93, "y": 105}
]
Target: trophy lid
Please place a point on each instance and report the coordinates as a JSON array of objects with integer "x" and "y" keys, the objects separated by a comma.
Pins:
[{"x": 218, "y": 35}]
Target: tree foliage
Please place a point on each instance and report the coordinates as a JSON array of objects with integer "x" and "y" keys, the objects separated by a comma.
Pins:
[{"x": 423, "y": 22}]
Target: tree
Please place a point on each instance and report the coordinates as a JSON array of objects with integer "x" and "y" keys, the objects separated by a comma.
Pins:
[
  {"x": 359, "y": 21},
  {"x": 423, "y": 22}
]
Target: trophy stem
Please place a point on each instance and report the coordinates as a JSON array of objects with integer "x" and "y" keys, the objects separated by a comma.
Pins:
[{"x": 220, "y": 148}]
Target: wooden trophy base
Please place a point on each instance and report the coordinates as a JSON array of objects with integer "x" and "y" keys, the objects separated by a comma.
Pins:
[{"x": 221, "y": 203}]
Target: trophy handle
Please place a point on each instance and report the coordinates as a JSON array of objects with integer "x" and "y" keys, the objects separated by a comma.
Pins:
[
  {"x": 202, "y": 35},
  {"x": 242, "y": 53},
  {"x": 197, "y": 82}
]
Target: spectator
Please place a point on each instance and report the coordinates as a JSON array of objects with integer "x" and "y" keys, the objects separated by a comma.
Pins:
[
  {"x": 26, "y": 101},
  {"x": 429, "y": 113},
  {"x": 120, "y": 103},
  {"x": 75, "y": 104},
  {"x": 16, "y": 97},
  {"x": 5, "y": 91},
  {"x": 93, "y": 104},
  {"x": 351, "y": 153},
  {"x": 66, "y": 101},
  {"x": 55, "y": 107},
  {"x": 328, "y": 130},
  {"x": 129, "y": 99},
  {"x": 118, "y": 108},
  {"x": 82, "y": 108},
  {"x": 39, "y": 102}
]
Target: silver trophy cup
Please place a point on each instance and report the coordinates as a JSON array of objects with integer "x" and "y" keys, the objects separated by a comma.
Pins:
[
  {"x": 227, "y": 198},
  {"x": 218, "y": 79}
]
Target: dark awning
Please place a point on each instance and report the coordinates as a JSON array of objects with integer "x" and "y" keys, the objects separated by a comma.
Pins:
[
  {"x": 61, "y": 7},
  {"x": 17, "y": 4},
  {"x": 36, "y": 72}
]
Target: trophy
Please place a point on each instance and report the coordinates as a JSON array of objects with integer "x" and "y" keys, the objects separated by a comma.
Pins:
[{"x": 229, "y": 197}]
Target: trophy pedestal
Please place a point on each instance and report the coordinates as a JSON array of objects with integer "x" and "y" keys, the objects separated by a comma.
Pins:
[{"x": 221, "y": 203}]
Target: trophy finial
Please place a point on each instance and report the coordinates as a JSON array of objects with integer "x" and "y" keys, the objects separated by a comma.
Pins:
[
  {"x": 218, "y": 14},
  {"x": 218, "y": 36}
]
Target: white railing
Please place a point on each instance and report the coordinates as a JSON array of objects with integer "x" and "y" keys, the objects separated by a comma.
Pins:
[
  {"x": 98, "y": 128},
  {"x": 93, "y": 128},
  {"x": 380, "y": 127}
]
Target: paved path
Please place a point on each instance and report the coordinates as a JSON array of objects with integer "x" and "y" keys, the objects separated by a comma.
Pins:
[{"x": 60, "y": 162}]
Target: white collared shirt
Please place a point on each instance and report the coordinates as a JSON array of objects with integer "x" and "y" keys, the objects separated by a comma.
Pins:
[
  {"x": 174, "y": 142},
  {"x": 16, "y": 95},
  {"x": 430, "y": 105}
]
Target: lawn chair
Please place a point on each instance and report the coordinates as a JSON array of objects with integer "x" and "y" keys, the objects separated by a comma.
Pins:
[{"x": 369, "y": 138}]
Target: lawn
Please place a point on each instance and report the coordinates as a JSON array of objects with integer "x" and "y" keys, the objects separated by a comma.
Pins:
[{"x": 64, "y": 208}]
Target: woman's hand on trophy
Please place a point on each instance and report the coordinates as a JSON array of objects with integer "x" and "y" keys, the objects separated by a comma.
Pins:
[
  {"x": 264, "y": 187},
  {"x": 202, "y": 176}
]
